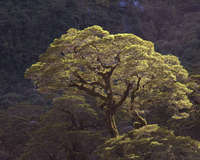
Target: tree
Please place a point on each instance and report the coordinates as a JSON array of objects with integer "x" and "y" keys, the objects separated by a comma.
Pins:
[
  {"x": 116, "y": 69},
  {"x": 149, "y": 142},
  {"x": 67, "y": 131}
]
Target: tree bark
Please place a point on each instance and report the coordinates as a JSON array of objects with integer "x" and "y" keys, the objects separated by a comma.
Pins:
[{"x": 110, "y": 117}]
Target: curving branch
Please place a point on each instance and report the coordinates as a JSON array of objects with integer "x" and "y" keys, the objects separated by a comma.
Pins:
[
  {"x": 82, "y": 80},
  {"x": 124, "y": 96},
  {"x": 88, "y": 91},
  {"x": 134, "y": 92}
]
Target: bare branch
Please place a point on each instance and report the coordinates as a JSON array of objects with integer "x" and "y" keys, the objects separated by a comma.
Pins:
[
  {"x": 81, "y": 80},
  {"x": 124, "y": 96},
  {"x": 107, "y": 79},
  {"x": 134, "y": 92},
  {"x": 88, "y": 91},
  {"x": 140, "y": 118}
]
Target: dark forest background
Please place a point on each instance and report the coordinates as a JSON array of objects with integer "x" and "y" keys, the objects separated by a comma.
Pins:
[{"x": 27, "y": 27}]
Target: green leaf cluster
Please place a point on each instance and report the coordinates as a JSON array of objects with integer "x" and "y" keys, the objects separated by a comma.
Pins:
[{"x": 150, "y": 142}]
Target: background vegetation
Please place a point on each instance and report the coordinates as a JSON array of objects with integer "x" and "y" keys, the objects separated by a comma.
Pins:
[{"x": 35, "y": 127}]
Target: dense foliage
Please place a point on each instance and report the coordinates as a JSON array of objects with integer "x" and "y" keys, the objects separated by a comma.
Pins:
[
  {"x": 110, "y": 68},
  {"x": 120, "y": 82},
  {"x": 27, "y": 27},
  {"x": 149, "y": 143}
]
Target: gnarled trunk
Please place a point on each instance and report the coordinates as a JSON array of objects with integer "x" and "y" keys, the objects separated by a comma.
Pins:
[{"x": 110, "y": 117}]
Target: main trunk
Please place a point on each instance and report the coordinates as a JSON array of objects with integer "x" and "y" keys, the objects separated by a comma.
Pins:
[{"x": 111, "y": 124}]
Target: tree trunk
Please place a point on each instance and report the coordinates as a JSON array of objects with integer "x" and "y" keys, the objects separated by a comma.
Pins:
[{"x": 110, "y": 117}]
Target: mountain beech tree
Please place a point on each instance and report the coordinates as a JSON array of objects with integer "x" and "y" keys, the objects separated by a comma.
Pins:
[{"x": 118, "y": 70}]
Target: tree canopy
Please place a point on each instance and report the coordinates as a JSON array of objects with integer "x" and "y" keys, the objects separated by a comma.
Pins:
[
  {"x": 149, "y": 142},
  {"x": 118, "y": 70}
]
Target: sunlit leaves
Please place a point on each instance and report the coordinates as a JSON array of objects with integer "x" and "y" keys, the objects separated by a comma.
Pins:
[
  {"x": 150, "y": 142},
  {"x": 100, "y": 63}
]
